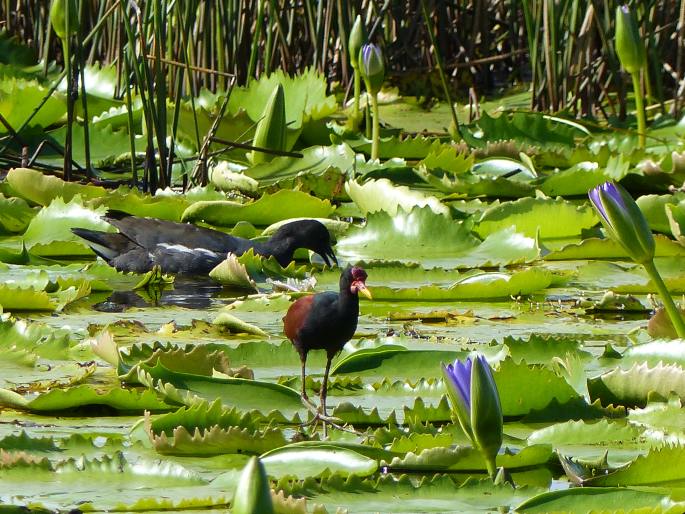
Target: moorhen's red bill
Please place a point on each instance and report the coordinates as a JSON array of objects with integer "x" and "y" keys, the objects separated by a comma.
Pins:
[
  {"x": 326, "y": 321},
  {"x": 142, "y": 243}
]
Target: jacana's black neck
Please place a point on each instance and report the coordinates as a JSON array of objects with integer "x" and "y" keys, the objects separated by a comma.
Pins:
[{"x": 349, "y": 301}]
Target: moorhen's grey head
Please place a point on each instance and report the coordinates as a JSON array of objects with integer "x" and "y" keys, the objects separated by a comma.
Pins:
[{"x": 309, "y": 234}]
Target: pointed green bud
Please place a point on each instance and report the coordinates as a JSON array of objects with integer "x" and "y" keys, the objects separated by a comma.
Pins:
[
  {"x": 357, "y": 39},
  {"x": 371, "y": 67},
  {"x": 629, "y": 45},
  {"x": 58, "y": 18},
  {"x": 486, "y": 412},
  {"x": 623, "y": 221},
  {"x": 253, "y": 494},
  {"x": 270, "y": 133}
]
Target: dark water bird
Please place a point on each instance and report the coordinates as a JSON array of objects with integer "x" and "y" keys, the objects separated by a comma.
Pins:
[
  {"x": 326, "y": 321},
  {"x": 142, "y": 243}
]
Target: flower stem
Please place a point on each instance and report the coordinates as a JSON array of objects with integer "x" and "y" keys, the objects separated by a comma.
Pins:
[
  {"x": 376, "y": 135},
  {"x": 671, "y": 309},
  {"x": 640, "y": 109},
  {"x": 357, "y": 93},
  {"x": 491, "y": 466}
]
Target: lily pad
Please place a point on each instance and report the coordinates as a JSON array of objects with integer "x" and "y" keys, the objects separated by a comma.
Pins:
[{"x": 269, "y": 209}]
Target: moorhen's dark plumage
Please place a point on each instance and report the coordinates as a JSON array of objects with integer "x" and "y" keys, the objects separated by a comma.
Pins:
[
  {"x": 142, "y": 243},
  {"x": 326, "y": 321}
]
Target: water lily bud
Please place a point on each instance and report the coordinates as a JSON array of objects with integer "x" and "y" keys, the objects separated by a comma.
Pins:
[
  {"x": 371, "y": 67},
  {"x": 486, "y": 410},
  {"x": 458, "y": 381},
  {"x": 476, "y": 404},
  {"x": 253, "y": 494},
  {"x": 629, "y": 45},
  {"x": 357, "y": 39},
  {"x": 623, "y": 221},
  {"x": 270, "y": 131},
  {"x": 59, "y": 20}
]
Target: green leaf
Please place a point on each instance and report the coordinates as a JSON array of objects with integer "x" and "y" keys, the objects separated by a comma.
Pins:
[
  {"x": 524, "y": 388},
  {"x": 315, "y": 161},
  {"x": 654, "y": 209},
  {"x": 660, "y": 466},
  {"x": 407, "y": 235},
  {"x": 31, "y": 94},
  {"x": 583, "y": 176},
  {"x": 655, "y": 352},
  {"x": 241, "y": 393},
  {"x": 305, "y": 96},
  {"x": 393, "y": 360},
  {"x": 82, "y": 395},
  {"x": 581, "y": 432},
  {"x": 210, "y": 429},
  {"x": 466, "y": 458},
  {"x": 312, "y": 461},
  {"x": 475, "y": 286},
  {"x": 548, "y": 217},
  {"x": 473, "y": 184},
  {"x": 598, "y": 499},
  {"x": 15, "y": 214},
  {"x": 633, "y": 386},
  {"x": 383, "y": 195},
  {"x": 407, "y": 147},
  {"x": 595, "y": 248},
  {"x": 49, "y": 233},
  {"x": 42, "y": 189},
  {"x": 530, "y": 127},
  {"x": 269, "y": 209}
]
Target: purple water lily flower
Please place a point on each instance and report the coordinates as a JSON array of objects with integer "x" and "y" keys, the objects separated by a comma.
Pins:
[
  {"x": 610, "y": 190},
  {"x": 623, "y": 220},
  {"x": 372, "y": 67},
  {"x": 476, "y": 404},
  {"x": 459, "y": 374}
]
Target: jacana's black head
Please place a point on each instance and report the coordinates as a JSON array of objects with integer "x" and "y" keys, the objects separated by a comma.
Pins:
[
  {"x": 309, "y": 234},
  {"x": 354, "y": 278}
]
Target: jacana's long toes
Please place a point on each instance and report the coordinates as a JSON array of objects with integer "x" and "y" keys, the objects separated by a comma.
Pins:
[{"x": 310, "y": 405}]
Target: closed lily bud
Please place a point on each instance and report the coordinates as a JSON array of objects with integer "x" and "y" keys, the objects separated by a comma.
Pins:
[
  {"x": 253, "y": 494},
  {"x": 629, "y": 45},
  {"x": 458, "y": 381},
  {"x": 476, "y": 404},
  {"x": 58, "y": 18},
  {"x": 270, "y": 133},
  {"x": 623, "y": 221},
  {"x": 357, "y": 39},
  {"x": 486, "y": 410},
  {"x": 371, "y": 67}
]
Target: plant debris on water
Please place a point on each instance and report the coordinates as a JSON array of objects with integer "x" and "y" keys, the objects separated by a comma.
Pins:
[{"x": 521, "y": 350}]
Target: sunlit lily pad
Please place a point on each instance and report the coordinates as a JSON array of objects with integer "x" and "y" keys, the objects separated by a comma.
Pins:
[
  {"x": 42, "y": 189},
  {"x": 265, "y": 211}
]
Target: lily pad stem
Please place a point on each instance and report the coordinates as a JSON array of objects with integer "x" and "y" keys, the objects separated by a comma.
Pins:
[
  {"x": 640, "y": 109},
  {"x": 671, "y": 309},
  {"x": 376, "y": 134}
]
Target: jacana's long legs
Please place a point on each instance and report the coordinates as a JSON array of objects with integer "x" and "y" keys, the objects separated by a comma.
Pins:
[
  {"x": 303, "y": 361},
  {"x": 324, "y": 386}
]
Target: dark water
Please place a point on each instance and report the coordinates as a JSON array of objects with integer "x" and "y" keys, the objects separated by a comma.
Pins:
[{"x": 190, "y": 293}]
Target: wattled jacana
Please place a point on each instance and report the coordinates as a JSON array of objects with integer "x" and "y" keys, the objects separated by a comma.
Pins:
[
  {"x": 142, "y": 243},
  {"x": 326, "y": 321}
]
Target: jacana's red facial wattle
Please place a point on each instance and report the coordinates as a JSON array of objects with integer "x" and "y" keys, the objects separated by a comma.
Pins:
[{"x": 358, "y": 285}]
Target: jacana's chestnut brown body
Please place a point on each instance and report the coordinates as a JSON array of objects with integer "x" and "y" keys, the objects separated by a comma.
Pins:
[{"x": 326, "y": 321}]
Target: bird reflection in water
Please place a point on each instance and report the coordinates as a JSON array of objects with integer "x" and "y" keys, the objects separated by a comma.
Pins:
[{"x": 187, "y": 292}]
